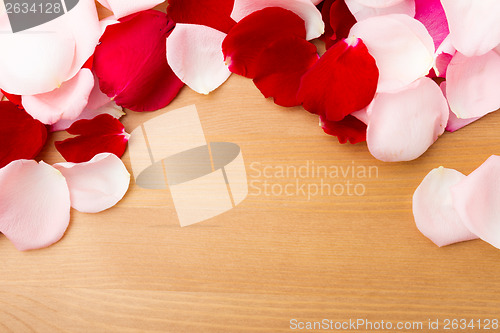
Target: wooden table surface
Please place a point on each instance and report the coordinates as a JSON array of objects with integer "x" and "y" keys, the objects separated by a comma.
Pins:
[{"x": 273, "y": 258}]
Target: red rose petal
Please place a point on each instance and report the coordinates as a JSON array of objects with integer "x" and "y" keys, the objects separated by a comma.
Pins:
[
  {"x": 215, "y": 14},
  {"x": 22, "y": 137},
  {"x": 131, "y": 62},
  {"x": 103, "y": 134},
  {"x": 343, "y": 81},
  {"x": 255, "y": 33},
  {"x": 281, "y": 66},
  {"x": 348, "y": 129},
  {"x": 16, "y": 99},
  {"x": 338, "y": 21}
]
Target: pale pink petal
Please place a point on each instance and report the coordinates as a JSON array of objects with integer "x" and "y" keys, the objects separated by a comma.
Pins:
[
  {"x": 433, "y": 209},
  {"x": 122, "y": 8},
  {"x": 315, "y": 26},
  {"x": 96, "y": 185},
  {"x": 88, "y": 113},
  {"x": 473, "y": 84},
  {"x": 40, "y": 59},
  {"x": 362, "y": 12},
  {"x": 474, "y": 25},
  {"x": 454, "y": 123},
  {"x": 401, "y": 46},
  {"x": 379, "y": 3},
  {"x": 404, "y": 124},
  {"x": 34, "y": 204},
  {"x": 97, "y": 98},
  {"x": 66, "y": 102},
  {"x": 361, "y": 115},
  {"x": 194, "y": 52},
  {"x": 477, "y": 201}
]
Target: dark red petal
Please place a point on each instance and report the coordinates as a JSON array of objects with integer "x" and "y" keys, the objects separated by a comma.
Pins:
[
  {"x": 16, "y": 99},
  {"x": 255, "y": 33},
  {"x": 348, "y": 129},
  {"x": 281, "y": 66},
  {"x": 212, "y": 13},
  {"x": 131, "y": 62},
  {"x": 103, "y": 134},
  {"x": 21, "y": 136},
  {"x": 344, "y": 80},
  {"x": 338, "y": 21},
  {"x": 89, "y": 63}
]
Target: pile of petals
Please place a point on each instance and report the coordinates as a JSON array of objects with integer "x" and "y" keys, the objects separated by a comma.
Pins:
[{"x": 450, "y": 207}]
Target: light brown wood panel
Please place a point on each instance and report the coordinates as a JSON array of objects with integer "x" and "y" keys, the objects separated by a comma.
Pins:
[{"x": 272, "y": 258}]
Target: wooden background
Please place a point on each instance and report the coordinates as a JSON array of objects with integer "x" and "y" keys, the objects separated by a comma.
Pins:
[{"x": 269, "y": 260}]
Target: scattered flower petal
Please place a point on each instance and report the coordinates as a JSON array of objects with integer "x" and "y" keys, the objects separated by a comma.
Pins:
[
  {"x": 65, "y": 102},
  {"x": 96, "y": 185},
  {"x": 16, "y": 99},
  {"x": 281, "y": 66},
  {"x": 472, "y": 84},
  {"x": 34, "y": 204},
  {"x": 403, "y": 125},
  {"x": 362, "y": 12},
  {"x": 215, "y": 14},
  {"x": 122, "y": 8},
  {"x": 401, "y": 46},
  {"x": 255, "y": 33},
  {"x": 303, "y": 8},
  {"x": 338, "y": 21},
  {"x": 348, "y": 129},
  {"x": 474, "y": 27},
  {"x": 477, "y": 201},
  {"x": 103, "y": 134},
  {"x": 431, "y": 14},
  {"x": 435, "y": 215},
  {"x": 454, "y": 123},
  {"x": 344, "y": 80},
  {"x": 194, "y": 53},
  {"x": 131, "y": 64},
  {"x": 22, "y": 137}
]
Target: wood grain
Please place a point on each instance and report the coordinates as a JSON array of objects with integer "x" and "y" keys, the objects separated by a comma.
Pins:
[{"x": 269, "y": 260}]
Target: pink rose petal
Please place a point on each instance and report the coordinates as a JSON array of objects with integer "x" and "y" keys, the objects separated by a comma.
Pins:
[
  {"x": 65, "y": 102},
  {"x": 96, "y": 185},
  {"x": 477, "y": 201},
  {"x": 472, "y": 84},
  {"x": 194, "y": 53},
  {"x": 362, "y": 12},
  {"x": 454, "y": 123},
  {"x": 433, "y": 208},
  {"x": 34, "y": 204},
  {"x": 122, "y": 8},
  {"x": 431, "y": 14},
  {"x": 404, "y": 124},
  {"x": 303, "y": 8},
  {"x": 474, "y": 27},
  {"x": 401, "y": 46}
]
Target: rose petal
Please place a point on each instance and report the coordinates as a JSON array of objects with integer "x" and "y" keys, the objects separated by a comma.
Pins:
[
  {"x": 22, "y": 137},
  {"x": 255, "y": 33},
  {"x": 96, "y": 185},
  {"x": 303, "y": 8},
  {"x": 281, "y": 66},
  {"x": 16, "y": 99},
  {"x": 215, "y": 14},
  {"x": 472, "y": 84},
  {"x": 454, "y": 123},
  {"x": 348, "y": 129},
  {"x": 474, "y": 27},
  {"x": 362, "y": 12},
  {"x": 431, "y": 14},
  {"x": 338, "y": 21},
  {"x": 404, "y": 124},
  {"x": 401, "y": 46},
  {"x": 433, "y": 208},
  {"x": 361, "y": 115},
  {"x": 34, "y": 204},
  {"x": 65, "y": 102},
  {"x": 40, "y": 59},
  {"x": 131, "y": 62},
  {"x": 477, "y": 201},
  {"x": 122, "y": 8},
  {"x": 344, "y": 80},
  {"x": 195, "y": 55},
  {"x": 379, "y": 3},
  {"x": 103, "y": 134}
]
